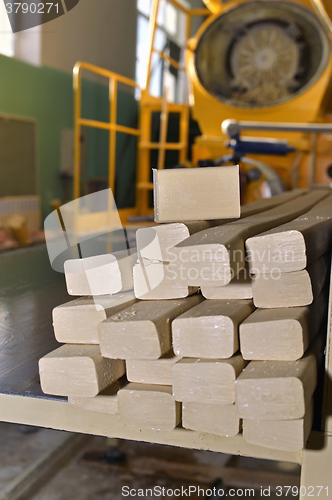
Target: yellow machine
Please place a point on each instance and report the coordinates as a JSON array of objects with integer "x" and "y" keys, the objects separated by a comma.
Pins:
[
  {"x": 250, "y": 60},
  {"x": 264, "y": 61}
]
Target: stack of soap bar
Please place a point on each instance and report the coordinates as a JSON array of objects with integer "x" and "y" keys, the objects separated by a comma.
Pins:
[
  {"x": 282, "y": 334},
  {"x": 220, "y": 361},
  {"x": 293, "y": 246},
  {"x": 214, "y": 256},
  {"x": 206, "y": 389},
  {"x": 295, "y": 289},
  {"x": 276, "y": 390},
  {"x": 275, "y": 399},
  {"x": 284, "y": 435},
  {"x": 153, "y": 245},
  {"x": 148, "y": 402}
]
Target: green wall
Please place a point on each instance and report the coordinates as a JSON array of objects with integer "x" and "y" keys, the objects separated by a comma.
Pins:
[{"x": 46, "y": 95}]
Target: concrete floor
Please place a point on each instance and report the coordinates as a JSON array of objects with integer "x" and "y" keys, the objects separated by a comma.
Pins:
[{"x": 81, "y": 480}]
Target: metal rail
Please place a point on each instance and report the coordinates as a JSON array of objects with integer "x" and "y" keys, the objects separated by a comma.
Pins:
[
  {"x": 232, "y": 129},
  {"x": 112, "y": 125}
]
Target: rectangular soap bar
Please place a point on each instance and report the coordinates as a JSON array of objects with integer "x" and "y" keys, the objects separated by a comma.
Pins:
[
  {"x": 239, "y": 288},
  {"x": 207, "y": 380},
  {"x": 278, "y": 390},
  {"x": 75, "y": 322},
  {"x": 148, "y": 407},
  {"x": 211, "y": 329},
  {"x": 152, "y": 371},
  {"x": 284, "y": 435},
  {"x": 188, "y": 194},
  {"x": 105, "y": 274},
  {"x": 282, "y": 334},
  {"x": 78, "y": 370},
  {"x": 143, "y": 330},
  {"x": 105, "y": 402},
  {"x": 150, "y": 283},
  {"x": 217, "y": 419}
]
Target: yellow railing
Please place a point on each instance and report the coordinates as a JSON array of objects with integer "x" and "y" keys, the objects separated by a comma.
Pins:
[
  {"x": 153, "y": 25},
  {"x": 112, "y": 125},
  {"x": 147, "y": 107}
]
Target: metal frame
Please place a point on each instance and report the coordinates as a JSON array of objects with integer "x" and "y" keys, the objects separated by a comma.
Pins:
[
  {"x": 112, "y": 125},
  {"x": 233, "y": 128},
  {"x": 148, "y": 105},
  {"x": 153, "y": 25},
  {"x": 151, "y": 104}
]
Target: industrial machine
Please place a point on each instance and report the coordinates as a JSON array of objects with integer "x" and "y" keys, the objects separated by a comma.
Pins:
[
  {"x": 267, "y": 61},
  {"x": 264, "y": 61}
]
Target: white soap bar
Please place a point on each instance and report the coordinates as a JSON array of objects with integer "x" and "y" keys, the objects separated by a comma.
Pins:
[{"x": 188, "y": 194}]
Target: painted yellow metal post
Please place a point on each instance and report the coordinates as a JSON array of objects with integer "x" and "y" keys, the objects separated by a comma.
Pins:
[
  {"x": 188, "y": 26},
  {"x": 111, "y": 125},
  {"x": 113, "y": 89},
  {"x": 163, "y": 132},
  {"x": 144, "y": 163},
  {"x": 152, "y": 30},
  {"x": 77, "y": 130},
  {"x": 184, "y": 131}
]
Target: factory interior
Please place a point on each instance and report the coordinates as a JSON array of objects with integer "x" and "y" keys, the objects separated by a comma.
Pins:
[{"x": 165, "y": 249}]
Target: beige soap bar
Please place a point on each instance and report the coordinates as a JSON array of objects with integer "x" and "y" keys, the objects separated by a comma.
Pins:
[
  {"x": 283, "y": 435},
  {"x": 281, "y": 334},
  {"x": 214, "y": 256},
  {"x": 210, "y": 330},
  {"x": 142, "y": 331},
  {"x": 78, "y": 370},
  {"x": 291, "y": 289},
  {"x": 76, "y": 279},
  {"x": 207, "y": 381},
  {"x": 105, "y": 402},
  {"x": 101, "y": 274},
  {"x": 292, "y": 246},
  {"x": 217, "y": 419},
  {"x": 239, "y": 288},
  {"x": 150, "y": 283},
  {"x": 155, "y": 372},
  {"x": 75, "y": 322},
  {"x": 148, "y": 407},
  {"x": 153, "y": 243},
  {"x": 278, "y": 390},
  {"x": 188, "y": 194}
]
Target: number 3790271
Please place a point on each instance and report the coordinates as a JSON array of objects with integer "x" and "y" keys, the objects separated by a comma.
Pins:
[{"x": 33, "y": 8}]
